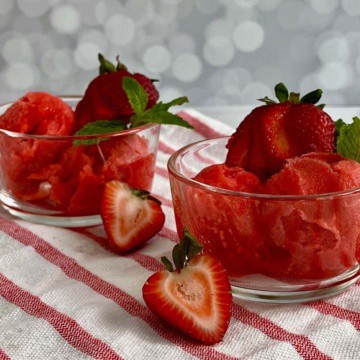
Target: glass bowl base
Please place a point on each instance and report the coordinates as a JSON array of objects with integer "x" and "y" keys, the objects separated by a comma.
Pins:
[
  {"x": 55, "y": 220},
  {"x": 297, "y": 294}
]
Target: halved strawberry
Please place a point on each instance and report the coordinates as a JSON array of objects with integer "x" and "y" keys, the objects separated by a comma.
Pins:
[
  {"x": 195, "y": 298},
  {"x": 130, "y": 216}
]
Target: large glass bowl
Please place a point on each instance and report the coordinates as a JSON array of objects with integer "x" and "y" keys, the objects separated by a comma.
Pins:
[
  {"x": 275, "y": 248},
  {"x": 58, "y": 180}
]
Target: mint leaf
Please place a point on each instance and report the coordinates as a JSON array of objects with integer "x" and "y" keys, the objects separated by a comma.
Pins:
[
  {"x": 339, "y": 124},
  {"x": 348, "y": 140},
  {"x": 137, "y": 96},
  {"x": 159, "y": 114},
  {"x": 166, "y": 106},
  {"x": 98, "y": 128},
  {"x": 160, "y": 117}
]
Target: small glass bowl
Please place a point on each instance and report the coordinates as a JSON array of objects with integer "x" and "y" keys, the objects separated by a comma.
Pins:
[
  {"x": 278, "y": 249},
  {"x": 58, "y": 181}
]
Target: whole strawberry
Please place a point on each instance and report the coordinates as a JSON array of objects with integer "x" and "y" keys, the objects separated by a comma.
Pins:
[
  {"x": 105, "y": 98},
  {"x": 275, "y": 132}
]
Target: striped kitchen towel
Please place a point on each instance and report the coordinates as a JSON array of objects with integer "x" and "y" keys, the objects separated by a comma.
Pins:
[{"x": 66, "y": 295}]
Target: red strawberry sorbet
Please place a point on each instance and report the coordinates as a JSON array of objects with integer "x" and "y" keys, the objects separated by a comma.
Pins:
[
  {"x": 56, "y": 174},
  {"x": 307, "y": 238}
]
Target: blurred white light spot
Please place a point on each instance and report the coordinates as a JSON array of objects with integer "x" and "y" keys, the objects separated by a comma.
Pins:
[
  {"x": 218, "y": 51},
  {"x": 246, "y": 3},
  {"x": 334, "y": 76},
  {"x": 248, "y": 36},
  {"x": 324, "y": 6},
  {"x": 40, "y": 41},
  {"x": 142, "y": 11},
  {"x": 334, "y": 49},
  {"x": 290, "y": 15},
  {"x": 86, "y": 56},
  {"x": 268, "y": 5},
  {"x": 187, "y": 67},
  {"x": 207, "y": 7},
  {"x": 238, "y": 14},
  {"x": 301, "y": 49},
  {"x": 34, "y": 8},
  {"x": 157, "y": 58},
  {"x": 352, "y": 7},
  {"x": 20, "y": 76},
  {"x": 100, "y": 12},
  {"x": 56, "y": 63},
  {"x": 120, "y": 29},
  {"x": 6, "y": 6},
  {"x": 95, "y": 37},
  {"x": 65, "y": 19},
  {"x": 186, "y": 8},
  {"x": 17, "y": 49},
  {"x": 220, "y": 27},
  {"x": 181, "y": 43},
  {"x": 166, "y": 13}
]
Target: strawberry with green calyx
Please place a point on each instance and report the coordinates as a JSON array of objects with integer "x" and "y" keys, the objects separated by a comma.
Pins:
[
  {"x": 194, "y": 295},
  {"x": 277, "y": 131},
  {"x": 105, "y": 99},
  {"x": 119, "y": 96},
  {"x": 348, "y": 139}
]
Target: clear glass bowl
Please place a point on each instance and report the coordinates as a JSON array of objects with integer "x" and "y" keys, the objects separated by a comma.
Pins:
[
  {"x": 275, "y": 248},
  {"x": 57, "y": 180}
]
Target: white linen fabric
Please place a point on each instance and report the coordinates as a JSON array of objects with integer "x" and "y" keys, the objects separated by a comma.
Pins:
[{"x": 66, "y": 295}]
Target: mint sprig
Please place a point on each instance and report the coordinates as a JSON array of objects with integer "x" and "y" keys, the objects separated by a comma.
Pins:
[
  {"x": 158, "y": 114},
  {"x": 348, "y": 139},
  {"x": 183, "y": 252},
  {"x": 98, "y": 128}
]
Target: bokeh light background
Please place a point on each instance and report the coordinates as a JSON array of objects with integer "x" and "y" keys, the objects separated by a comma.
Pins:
[{"x": 216, "y": 52}]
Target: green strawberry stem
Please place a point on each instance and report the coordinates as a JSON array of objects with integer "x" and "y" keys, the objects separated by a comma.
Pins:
[
  {"x": 283, "y": 96},
  {"x": 183, "y": 252},
  {"x": 106, "y": 66},
  {"x": 144, "y": 195}
]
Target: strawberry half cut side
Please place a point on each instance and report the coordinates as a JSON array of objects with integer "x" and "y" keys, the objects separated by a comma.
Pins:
[
  {"x": 195, "y": 297},
  {"x": 130, "y": 216}
]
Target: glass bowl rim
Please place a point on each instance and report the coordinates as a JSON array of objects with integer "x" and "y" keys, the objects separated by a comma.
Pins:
[
  {"x": 131, "y": 131},
  {"x": 209, "y": 188}
]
